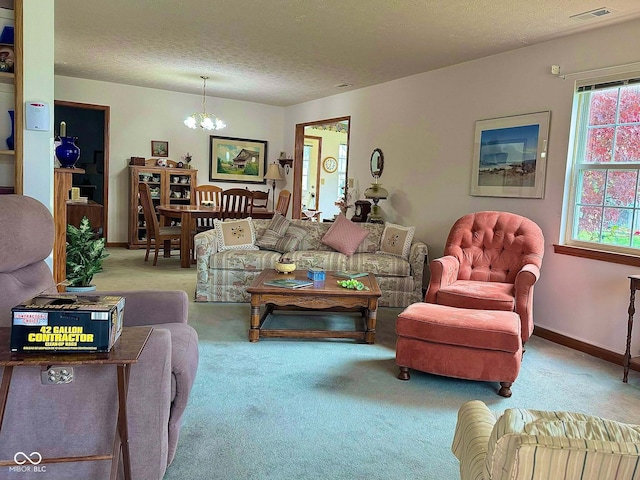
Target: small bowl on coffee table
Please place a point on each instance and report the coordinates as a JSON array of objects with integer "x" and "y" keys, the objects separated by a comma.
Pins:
[{"x": 284, "y": 266}]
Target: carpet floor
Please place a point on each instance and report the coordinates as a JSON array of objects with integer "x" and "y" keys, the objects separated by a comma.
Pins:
[{"x": 333, "y": 409}]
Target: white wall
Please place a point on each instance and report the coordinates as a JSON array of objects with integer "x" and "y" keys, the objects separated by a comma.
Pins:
[
  {"x": 425, "y": 124},
  {"x": 38, "y": 59},
  {"x": 139, "y": 115}
]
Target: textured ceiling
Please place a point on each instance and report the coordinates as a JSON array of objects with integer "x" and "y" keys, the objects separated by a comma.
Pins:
[{"x": 284, "y": 52}]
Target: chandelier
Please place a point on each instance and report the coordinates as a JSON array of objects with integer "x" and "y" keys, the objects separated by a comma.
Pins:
[{"x": 206, "y": 121}]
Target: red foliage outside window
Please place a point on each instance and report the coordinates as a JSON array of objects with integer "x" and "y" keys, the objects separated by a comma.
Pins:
[{"x": 608, "y": 200}]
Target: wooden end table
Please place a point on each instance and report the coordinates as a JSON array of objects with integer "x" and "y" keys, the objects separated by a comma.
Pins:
[
  {"x": 634, "y": 284},
  {"x": 123, "y": 354},
  {"x": 327, "y": 295}
]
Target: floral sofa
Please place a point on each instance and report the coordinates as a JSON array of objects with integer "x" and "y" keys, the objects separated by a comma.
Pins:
[{"x": 223, "y": 276}]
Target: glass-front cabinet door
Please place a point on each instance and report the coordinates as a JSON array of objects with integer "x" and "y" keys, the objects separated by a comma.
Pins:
[{"x": 168, "y": 186}]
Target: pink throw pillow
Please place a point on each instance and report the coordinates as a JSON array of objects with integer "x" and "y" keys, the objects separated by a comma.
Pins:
[{"x": 344, "y": 236}]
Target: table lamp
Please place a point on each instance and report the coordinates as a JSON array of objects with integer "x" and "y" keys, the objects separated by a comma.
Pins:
[
  {"x": 376, "y": 193},
  {"x": 273, "y": 174}
]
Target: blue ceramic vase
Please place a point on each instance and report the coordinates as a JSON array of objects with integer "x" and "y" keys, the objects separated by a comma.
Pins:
[
  {"x": 67, "y": 152},
  {"x": 10, "y": 142}
]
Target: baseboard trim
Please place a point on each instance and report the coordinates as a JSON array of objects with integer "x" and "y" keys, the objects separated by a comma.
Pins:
[
  {"x": 116, "y": 244},
  {"x": 583, "y": 347}
]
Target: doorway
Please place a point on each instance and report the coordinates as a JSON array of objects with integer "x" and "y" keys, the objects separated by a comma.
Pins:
[
  {"x": 320, "y": 166},
  {"x": 90, "y": 125}
]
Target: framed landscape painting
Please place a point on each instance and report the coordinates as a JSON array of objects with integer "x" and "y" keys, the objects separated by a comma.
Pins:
[
  {"x": 237, "y": 159},
  {"x": 510, "y": 156}
]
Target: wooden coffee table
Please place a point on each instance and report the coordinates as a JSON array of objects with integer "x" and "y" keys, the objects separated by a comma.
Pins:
[{"x": 326, "y": 296}]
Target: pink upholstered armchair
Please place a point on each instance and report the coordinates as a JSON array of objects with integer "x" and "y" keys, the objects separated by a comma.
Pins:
[{"x": 491, "y": 262}]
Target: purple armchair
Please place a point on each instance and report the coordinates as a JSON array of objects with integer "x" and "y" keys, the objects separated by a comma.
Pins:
[
  {"x": 491, "y": 262},
  {"x": 79, "y": 418}
]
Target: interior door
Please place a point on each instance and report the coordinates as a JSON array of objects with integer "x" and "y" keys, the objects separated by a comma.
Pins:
[
  {"x": 329, "y": 185},
  {"x": 90, "y": 123}
]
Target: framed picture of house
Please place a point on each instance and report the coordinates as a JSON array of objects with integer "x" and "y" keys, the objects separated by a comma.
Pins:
[
  {"x": 510, "y": 156},
  {"x": 237, "y": 159},
  {"x": 159, "y": 148}
]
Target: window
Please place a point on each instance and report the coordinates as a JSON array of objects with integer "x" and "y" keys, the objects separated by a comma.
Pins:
[
  {"x": 342, "y": 167},
  {"x": 603, "y": 211},
  {"x": 306, "y": 158}
]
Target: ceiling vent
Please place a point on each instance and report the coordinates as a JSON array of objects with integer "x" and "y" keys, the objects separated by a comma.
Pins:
[{"x": 592, "y": 14}]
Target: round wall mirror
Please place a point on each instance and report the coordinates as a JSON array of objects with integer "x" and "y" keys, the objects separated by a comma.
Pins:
[{"x": 377, "y": 163}]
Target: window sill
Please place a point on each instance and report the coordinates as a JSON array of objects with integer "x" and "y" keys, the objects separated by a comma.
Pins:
[{"x": 601, "y": 255}]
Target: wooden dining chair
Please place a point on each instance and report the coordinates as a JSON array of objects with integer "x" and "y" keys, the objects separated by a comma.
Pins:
[
  {"x": 260, "y": 199},
  {"x": 283, "y": 202},
  {"x": 235, "y": 203},
  {"x": 208, "y": 193},
  {"x": 159, "y": 234},
  {"x": 205, "y": 194}
]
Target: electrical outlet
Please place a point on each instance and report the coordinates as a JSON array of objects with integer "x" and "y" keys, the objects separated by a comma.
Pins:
[
  {"x": 350, "y": 183},
  {"x": 56, "y": 375}
]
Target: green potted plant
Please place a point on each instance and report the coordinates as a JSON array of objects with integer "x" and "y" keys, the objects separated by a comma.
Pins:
[{"x": 85, "y": 254}]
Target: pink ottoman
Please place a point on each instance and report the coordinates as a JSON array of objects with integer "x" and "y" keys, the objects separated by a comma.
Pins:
[{"x": 459, "y": 342}]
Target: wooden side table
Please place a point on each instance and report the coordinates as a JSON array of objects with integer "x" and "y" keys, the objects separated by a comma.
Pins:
[
  {"x": 124, "y": 353},
  {"x": 634, "y": 284},
  {"x": 90, "y": 209},
  {"x": 62, "y": 186}
]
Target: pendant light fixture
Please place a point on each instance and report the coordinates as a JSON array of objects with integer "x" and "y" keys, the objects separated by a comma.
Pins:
[{"x": 206, "y": 121}]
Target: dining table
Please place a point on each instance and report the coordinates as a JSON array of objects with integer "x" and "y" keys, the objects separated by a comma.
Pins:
[{"x": 187, "y": 214}]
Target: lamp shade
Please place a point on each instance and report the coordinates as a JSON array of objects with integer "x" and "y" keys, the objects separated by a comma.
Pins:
[
  {"x": 376, "y": 192},
  {"x": 273, "y": 172}
]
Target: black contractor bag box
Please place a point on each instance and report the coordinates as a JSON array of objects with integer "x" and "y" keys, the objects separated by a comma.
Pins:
[{"x": 67, "y": 323}]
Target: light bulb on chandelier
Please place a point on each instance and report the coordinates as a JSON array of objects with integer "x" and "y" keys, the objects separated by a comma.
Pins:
[{"x": 206, "y": 121}]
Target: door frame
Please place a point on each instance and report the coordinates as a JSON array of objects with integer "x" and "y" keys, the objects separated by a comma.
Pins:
[
  {"x": 296, "y": 208},
  {"x": 105, "y": 177}
]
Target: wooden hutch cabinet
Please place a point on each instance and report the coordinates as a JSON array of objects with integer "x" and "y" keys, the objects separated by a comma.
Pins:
[{"x": 168, "y": 185}]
